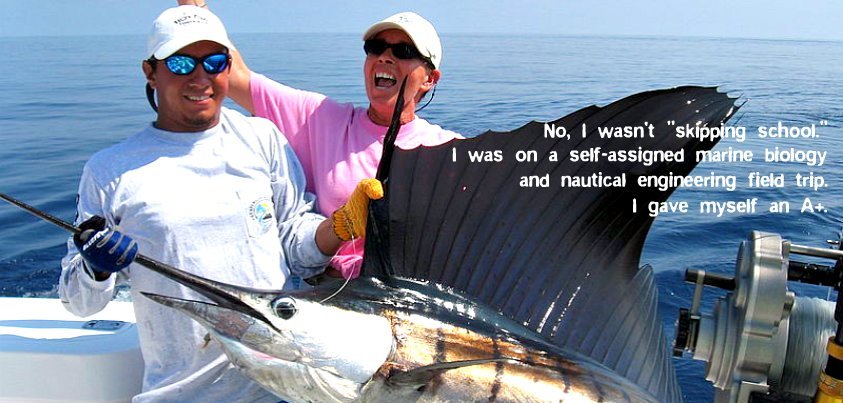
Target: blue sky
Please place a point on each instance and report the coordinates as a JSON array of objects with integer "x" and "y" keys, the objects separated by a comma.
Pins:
[{"x": 774, "y": 19}]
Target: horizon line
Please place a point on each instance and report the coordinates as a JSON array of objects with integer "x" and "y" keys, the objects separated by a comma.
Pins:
[{"x": 444, "y": 34}]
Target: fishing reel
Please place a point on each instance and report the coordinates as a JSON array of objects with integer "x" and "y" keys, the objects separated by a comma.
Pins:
[{"x": 761, "y": 343}]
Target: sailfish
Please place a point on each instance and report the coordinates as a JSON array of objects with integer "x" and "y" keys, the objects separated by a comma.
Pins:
[{"x": 476, "y": 288}]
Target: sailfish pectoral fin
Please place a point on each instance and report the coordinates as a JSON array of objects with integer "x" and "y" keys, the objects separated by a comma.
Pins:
[{"x": 420, "y": 376}]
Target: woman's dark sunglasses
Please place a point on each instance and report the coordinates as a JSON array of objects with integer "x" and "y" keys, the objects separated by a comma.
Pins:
[
  {"x": 401, "y": 50},
  {"x": 183, "y": 65}
]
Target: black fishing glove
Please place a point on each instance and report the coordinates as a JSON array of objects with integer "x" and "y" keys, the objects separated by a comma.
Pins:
[{"x": 104, "y": 249}]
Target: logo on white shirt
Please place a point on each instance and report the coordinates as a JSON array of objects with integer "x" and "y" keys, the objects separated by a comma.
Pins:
[{"x": 261, "y": 214}]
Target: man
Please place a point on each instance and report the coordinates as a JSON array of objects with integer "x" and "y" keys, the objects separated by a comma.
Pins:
[
  {"x": 205, "y": 189},
  {"x": 338, "y": 144}
]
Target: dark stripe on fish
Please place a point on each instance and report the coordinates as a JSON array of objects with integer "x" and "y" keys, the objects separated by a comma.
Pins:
[
  {"x": 496, "y": 385},
  {"x": 626, "y": 397},
  {"x": 564, "y": 375},
  {"x": 441, "y": 346},
  {"x": 600, "y": 392}
]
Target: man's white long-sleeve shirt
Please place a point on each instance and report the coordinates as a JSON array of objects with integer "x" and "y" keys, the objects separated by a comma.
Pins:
[{"x": 228, "y": 204}]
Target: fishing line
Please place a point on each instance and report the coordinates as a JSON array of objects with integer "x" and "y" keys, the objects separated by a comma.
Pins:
[
  {"x": 811, "y": 324},
  {"x": 347, "y": 279}
]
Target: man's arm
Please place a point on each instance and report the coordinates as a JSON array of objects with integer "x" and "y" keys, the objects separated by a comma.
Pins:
[
  {"x": 304, "y": 235},
  {"x": 326, "y": 239},
  {"x": 309, "y": 239},
  {"x": 80, "y": 292}
]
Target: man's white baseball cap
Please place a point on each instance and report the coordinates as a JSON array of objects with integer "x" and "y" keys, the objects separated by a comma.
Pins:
[
  {"x": 180, "y": 26},
  {"x": 420, "y": 31}
]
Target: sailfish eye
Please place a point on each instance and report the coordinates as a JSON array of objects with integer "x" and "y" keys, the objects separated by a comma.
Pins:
[{"x": 284, "y": 307}]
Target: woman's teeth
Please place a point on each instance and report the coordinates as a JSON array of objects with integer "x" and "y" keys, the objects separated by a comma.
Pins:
[{"x": 384, "y": 80}]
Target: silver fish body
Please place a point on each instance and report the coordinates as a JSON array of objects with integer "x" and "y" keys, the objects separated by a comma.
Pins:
[{"x": 391, "y": 342}]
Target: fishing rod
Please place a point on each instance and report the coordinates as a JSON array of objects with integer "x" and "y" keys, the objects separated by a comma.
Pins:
[
  {"x": 147, "y": 262},
  {"x": 150, "y": 263},
  {"x": 40, "y": 214}
]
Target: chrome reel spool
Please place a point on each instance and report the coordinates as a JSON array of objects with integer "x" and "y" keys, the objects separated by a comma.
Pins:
[{"x": 749, "y": 340}]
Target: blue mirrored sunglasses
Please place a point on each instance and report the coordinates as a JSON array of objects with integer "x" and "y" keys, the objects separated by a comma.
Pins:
[{"x": 183, "y": 65}]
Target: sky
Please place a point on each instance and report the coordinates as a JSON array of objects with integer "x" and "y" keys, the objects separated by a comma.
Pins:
[{"x": 771, "y": 19}]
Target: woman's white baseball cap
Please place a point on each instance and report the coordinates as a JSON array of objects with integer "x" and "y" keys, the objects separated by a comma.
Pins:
[{"x": 420, "y": 31}]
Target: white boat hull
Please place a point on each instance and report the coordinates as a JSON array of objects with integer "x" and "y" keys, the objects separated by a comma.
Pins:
[{"x": 49, "y": 355}]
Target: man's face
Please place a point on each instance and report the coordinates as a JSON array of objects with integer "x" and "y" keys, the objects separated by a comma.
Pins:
[
  {"x": 191, "y": 102},
  {"x": 383, "y": 75}
]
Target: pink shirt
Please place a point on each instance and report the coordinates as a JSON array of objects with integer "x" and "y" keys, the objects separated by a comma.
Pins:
[{"x": 337, "y": 144}]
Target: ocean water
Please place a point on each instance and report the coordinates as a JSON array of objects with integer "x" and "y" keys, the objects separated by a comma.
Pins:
[{"x": 65, "y": 98}]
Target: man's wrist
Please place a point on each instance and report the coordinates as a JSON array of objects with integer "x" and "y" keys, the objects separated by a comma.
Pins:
[{"x": 96, "y": 275}]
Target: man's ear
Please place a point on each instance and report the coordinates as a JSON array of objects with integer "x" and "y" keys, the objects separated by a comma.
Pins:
[{"x": 149, "y": 72}]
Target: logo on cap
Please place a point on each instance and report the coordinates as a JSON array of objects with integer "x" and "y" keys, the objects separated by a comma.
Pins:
[{"x": 190, "y": 19}]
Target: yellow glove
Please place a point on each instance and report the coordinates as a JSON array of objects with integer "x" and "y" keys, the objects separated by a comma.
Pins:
[{"x": 349, "y": 221}]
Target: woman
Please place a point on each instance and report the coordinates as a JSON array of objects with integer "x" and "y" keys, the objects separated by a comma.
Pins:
[{"x": 339, "y": 144}]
